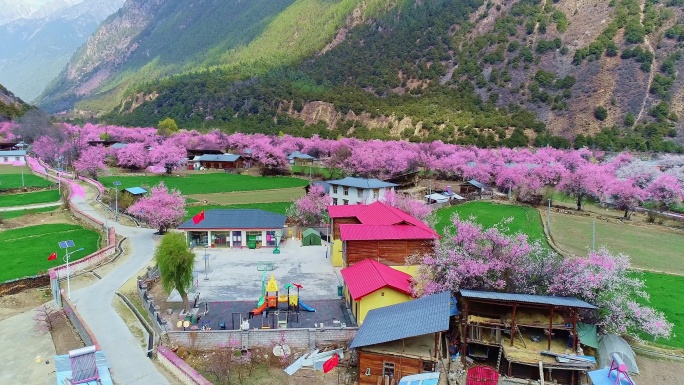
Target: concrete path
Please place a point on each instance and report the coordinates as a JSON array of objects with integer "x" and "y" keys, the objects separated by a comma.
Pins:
[
  {"x": 127, "y": 358},
  {"x": 22, "y": 344}
]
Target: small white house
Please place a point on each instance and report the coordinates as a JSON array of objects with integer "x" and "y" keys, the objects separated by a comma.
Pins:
[
  {"x": 354, "y": 191},
  {"x": 13, "y": 157}
]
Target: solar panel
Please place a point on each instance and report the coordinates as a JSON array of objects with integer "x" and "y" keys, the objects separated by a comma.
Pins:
[{"x": 65, "y": 244}]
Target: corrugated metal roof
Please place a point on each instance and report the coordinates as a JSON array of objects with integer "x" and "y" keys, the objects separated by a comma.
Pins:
[
  {"x": 476, "y": 184},
  {"x": 527, "y": 298},
  {"x": 351, "y": 232},
  {"x": 345, "y": 211},
  {"x": 13, "y": 153},
  {"x": 219, "y": 158},
  {"x": 361, "y": 183},
  {"x": 117, "y": 146},
  {"x": 236, "y": 219},
  {"x": 299, "y": 155},
  {"x": 136, "y": 190},
  {"x": 368, "y": 276},
  {"x": 429, "y": 314}
]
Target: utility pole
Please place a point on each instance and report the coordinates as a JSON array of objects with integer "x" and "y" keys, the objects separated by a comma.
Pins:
[{"x": 548, "y": 218}]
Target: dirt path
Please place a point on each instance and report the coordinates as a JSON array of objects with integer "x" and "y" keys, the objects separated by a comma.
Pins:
[{"x": 651, "y": 73}]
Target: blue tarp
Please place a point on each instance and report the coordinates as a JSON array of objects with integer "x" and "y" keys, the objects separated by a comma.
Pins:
[{"x": 420, "y": 379}]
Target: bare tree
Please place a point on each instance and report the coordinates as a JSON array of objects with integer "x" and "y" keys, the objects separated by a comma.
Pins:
[{"x": 45, "y": 317}]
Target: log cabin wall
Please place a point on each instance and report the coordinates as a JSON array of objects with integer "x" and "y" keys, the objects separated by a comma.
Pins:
[
  {"x": 403, "y": 366},
  {"x": 389, "y": 252},
  {"x": 343, "y": 221}
]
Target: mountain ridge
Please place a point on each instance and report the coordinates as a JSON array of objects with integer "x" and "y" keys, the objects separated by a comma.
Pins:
[{"x": 581, "y": 70}]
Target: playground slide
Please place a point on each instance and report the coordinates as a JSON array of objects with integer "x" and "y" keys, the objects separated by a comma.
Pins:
[
  {"x": 306, "y": 307},
  {"x": 261, "y": 306}
]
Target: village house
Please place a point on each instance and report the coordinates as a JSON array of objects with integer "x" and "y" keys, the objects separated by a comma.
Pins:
[
  {"x": 354, "y": 191},
  {"x": 235, "y": 228},
  {"x": 403, "y": 339},
  {"x": 13, "y": 157},
  {"x": 379, "y": 232},
  {"x": 370, "y": 285}
]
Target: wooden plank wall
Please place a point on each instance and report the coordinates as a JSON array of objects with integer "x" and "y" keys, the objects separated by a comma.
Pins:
[
  {"x": 392, "y": 253},
  {"x": 403, "y": 366},
  {"x": 342, "y": 221}
]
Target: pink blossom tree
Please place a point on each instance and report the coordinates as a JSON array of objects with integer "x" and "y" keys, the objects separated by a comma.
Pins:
[
  {"x": 413, "y": 207},
  {"x": 134, "y": 155},
  {"x": 161, "y": 209},
  {"x": 604, "y": 280},
  {"x": 91, "y": 162},
  {"x": 470, "y": 257},
  {"x": 311, "y": 209},
  {"x": 665, "y": 191},
  {"x": 169, "y": 157},
  {"x": 583, "y": 181},
  {"x": 624, "y": 194}
]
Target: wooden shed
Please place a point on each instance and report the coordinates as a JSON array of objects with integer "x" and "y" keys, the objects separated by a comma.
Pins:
[{"x": 311, "y": 237}]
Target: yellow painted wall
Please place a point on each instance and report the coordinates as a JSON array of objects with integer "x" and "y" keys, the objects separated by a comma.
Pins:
[
  {"x": 410, "y": 270},
  {"x": 376, "y": 300},
  {"x": 336, "y": 257}
]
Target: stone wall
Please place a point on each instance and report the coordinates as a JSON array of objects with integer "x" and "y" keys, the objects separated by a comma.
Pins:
[
  {"x": 253, "y": 338},
  {"x": 184, "y": 372},
  {"x": 81, "y": 327}
]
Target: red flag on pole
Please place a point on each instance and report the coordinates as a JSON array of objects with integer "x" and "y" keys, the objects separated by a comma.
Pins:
[
  {"x": 331, "y": 363},
  {"x": 52, "y": 256},
  {"x": 198, "y": 218}
]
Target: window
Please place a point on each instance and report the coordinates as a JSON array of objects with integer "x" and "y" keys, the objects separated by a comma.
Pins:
[
  {"x": 6, "y": 159},
  {"x": 388, "y": 369},
  {"x": 428, "y": 366},
  {"x": 345, "y": 202},
  {"x": 345, "y": 191},
  {"x": 359, "y": 192},
  {"x": 334, "y": 189},
  {"x": 376, "y": 193},
  {"x": 270, "y": 238},
  {"x": 334, "y": 201},
  {"x": 16, "y": 158}
]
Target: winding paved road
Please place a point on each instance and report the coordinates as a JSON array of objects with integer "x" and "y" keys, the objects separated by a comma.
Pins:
[{"x": 127, "y": 358}]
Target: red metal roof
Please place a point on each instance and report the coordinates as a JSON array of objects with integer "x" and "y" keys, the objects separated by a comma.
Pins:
[
  {"x": 380, "y": 221},
  {"x": 368, "y": 276},
  {"x": 353, "y": 232}
]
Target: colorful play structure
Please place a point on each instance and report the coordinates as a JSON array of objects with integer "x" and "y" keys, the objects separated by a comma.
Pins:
[{"x": 270, "y": 297}]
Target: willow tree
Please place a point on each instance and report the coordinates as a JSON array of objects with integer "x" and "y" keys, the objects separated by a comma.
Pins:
[{"x": 175, "y": 261}]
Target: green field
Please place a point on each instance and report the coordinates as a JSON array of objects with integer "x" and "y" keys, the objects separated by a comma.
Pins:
[
  {"x": 24, "y": 251},
  {"x": 30, "y": 198},
  {"x": 664, "y": 290},
  {"x": 487, "y": 214},
  {"x": 649, "y": 247},
  {"x": 275, "y": 207},
  {"x": 322, "y": 172},
  {"x": 20, "y": 213},
  {"x": 10, "y": 177},
  {"x": 207, "y": 183}
]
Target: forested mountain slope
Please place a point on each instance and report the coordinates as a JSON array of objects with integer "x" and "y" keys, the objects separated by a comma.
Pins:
[
  {"x": 11, "y": 107},
  {"x": 473, "y": 71}
]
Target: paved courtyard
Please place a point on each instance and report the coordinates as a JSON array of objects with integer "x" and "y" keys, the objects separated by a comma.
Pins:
[{"x": 232, "y": 274}]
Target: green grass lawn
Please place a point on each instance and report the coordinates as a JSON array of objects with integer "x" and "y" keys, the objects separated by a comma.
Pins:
[
  {"x": 24, "y": 251},
  {"x": 30, "y": 198},
  {"x": 275, "y": 207},
  {"x": 664, "y": 290},
  {"x": 20, "y": 213},
  {"x": 649, "y": 247},
  {"x": 322, "y": 172},
  {"x": 10, "y": 177},
  {"x": 487, "y": 214},
  {"x": 207, "y": 183}
]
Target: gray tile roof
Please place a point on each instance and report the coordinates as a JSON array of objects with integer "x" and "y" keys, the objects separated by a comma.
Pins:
[
  {"x": 119, "y": 145},
  {"x": 299, "y": 155},
  {"x": 218, "y": 158},
  {"x": 429, "y": 314},
  {"x": 527, "y": 298},
  {"x": 236, "y": 219},
  {"x": 361, "y": 183}
]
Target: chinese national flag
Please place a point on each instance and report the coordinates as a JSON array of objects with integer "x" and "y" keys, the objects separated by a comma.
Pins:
[
  {"x": 52, "y": 256},
  {"x": 198, "y": 218},
  {"x": 331, "y": 363}
]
